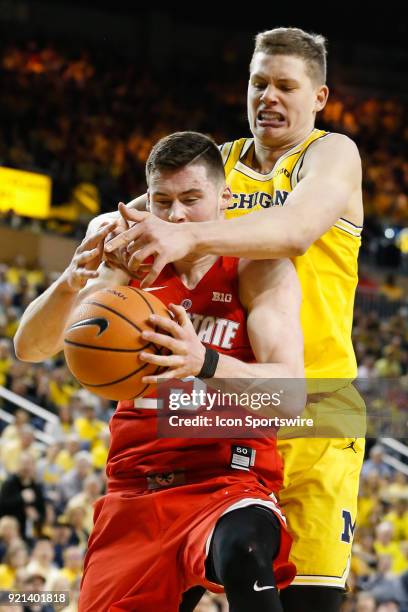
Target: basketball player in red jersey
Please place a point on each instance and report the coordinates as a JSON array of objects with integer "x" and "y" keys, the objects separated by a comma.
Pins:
[{"x": 177, "y": 514}]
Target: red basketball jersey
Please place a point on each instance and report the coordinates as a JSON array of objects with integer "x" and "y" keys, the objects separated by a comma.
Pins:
[{"x": 219, "y": 320}]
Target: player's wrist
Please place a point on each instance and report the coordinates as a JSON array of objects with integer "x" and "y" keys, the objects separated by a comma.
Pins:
[
  {"x": 210, "y": 363},
  {"x": 65, "y": 283},
  {"x": 196, "y": 237}
]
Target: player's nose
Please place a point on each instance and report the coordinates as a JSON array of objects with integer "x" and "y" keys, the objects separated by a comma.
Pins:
[
  {"x": 270, "y": 94},
  {"x": 177, "y": 213}
]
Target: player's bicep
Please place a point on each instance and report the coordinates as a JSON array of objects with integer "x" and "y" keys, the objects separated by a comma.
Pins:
[
  {"x": 272, "y": 293},
  {"x": 276, "y": 337}
]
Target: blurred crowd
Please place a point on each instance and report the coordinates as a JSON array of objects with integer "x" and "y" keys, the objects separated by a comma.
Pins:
[{"x": 56, "y": 120}]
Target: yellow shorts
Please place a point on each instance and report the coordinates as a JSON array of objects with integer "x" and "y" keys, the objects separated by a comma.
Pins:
[{"x": 319, "y": 495}]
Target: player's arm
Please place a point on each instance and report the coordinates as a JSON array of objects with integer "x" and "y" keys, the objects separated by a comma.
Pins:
[
  {"x": 40, "y": 332},
  {"x": 271, "y": 293},
  {"x": 330, "y": 177}
]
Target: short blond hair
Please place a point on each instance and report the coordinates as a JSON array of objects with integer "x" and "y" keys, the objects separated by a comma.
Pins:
[{"x": 294, "y": 41}]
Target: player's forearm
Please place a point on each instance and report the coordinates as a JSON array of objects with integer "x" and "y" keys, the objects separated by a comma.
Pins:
[
  {"x": 235, "y": 376},
  {"x": 267, "y": 234},
  {"x": 42, "y": 325},
  {"x": 288, "y": 231},
  {"x": 43, "y": 322}
]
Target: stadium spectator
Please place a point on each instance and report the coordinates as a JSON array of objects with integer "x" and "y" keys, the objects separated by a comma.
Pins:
[
  {"x": 60, "y": 391},
  {"x": 75, "y": 517},
  {"x": 376, "y": 463},
  {"x": 384, "y": 544},
  {"x": 13, "y": 431},
  {"x": 42, "y": 562},
  {"x": 395, "y": 589},
  {"x": 48, "y": 471},
  {"x": 88, "y": 426},
  {"x": 391, "y": 289},
  {"x": 12, "y": 449},
  {"x": 6, "y": 359},
  {"x": 389, "y": 606},
  {"x": 71, "y": 483},
  {"x": 73, "y": 563},
  {"x": 365, "y": 603},
  {"x": 9, "y": 533},
  {"x": 63, "y": 426},
  {"x": 66, "y": 456},
  {"x": 92, "y": 490},
  {"x": 397, "y": 489},
  {"x": 22, "y": 496},
  {"x": 60, "y": 537},
  {"x": 100, "y": 450},
  {"x": 15, "y": 558},
  {"x": 398, "y": 517}
]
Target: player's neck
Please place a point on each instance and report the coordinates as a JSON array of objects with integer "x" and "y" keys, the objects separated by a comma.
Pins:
[
  {"x": 192, "y": 269},
  {"x": 264, "y": 157}
]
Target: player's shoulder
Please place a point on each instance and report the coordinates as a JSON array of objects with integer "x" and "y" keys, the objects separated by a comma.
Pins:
[
  {"x": 234, "y": 148},
  {"x": 336, "y": 142},
  {"x": 331, "y": 151}
]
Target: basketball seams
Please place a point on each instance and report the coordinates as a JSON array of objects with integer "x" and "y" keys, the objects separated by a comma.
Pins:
[
  {"x": 108, "y": 348},
  {"x": 139, "y": 329},
  {"x": 114, "y": 382},
  {"x": 150, "y": 307},
  {"x": 119, "y": 380},
  {"x": 140, "y": 294}
]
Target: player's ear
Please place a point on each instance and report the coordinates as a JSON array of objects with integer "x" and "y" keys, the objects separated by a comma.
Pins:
[
  {"x": 225, "y": 198},
  {"x": 321, "y": 98},
  {"x": 148, "y": 207}
]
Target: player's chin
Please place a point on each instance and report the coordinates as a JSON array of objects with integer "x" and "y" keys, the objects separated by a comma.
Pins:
[{"x": 271, "y": 135}]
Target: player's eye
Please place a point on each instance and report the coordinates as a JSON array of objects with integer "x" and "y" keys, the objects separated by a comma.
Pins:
[
  {"x": 258, "y": 85},
  {"x": 190, "y": 200}
]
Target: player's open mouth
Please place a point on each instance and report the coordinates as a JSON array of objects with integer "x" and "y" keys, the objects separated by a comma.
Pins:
[{"x": 270, "y": 119}]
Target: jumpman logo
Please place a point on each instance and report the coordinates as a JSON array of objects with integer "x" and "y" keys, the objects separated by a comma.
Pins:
[
  {"x": 258, "y": 588},
  {"x": 351, "y": 445}
]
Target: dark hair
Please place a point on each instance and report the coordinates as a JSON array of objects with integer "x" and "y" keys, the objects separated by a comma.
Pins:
[
  {"x": 294, "y": 41},
  {"x": 183, "y": 148}
]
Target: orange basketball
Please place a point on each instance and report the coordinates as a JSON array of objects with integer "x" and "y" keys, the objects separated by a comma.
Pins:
[{"x": 103, "y": 340}]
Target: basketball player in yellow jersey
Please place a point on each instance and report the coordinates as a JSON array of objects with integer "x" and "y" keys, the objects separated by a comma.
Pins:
[{"x": 304, "y": 187}]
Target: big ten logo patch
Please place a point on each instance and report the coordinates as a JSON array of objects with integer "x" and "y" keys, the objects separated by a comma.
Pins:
[{"x": 221, "y": 297}]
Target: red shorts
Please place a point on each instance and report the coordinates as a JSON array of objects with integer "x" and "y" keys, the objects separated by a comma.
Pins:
[{"x": 147, "y": 548}]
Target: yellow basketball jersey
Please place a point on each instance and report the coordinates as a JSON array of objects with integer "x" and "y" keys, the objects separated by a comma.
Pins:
[{"x": 327, "y": 271}]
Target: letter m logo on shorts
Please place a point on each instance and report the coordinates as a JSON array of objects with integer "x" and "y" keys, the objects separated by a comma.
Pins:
[{"x": 348, "y": 527}]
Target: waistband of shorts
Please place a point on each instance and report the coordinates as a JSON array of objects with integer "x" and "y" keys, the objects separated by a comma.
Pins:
[{"x": 158, "y": 481}]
